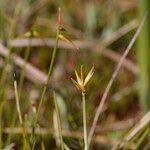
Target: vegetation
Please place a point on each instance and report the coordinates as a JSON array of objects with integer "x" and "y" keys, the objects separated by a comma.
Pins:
[
  {"x": 44, "y": 105},
  {"x": 144, "y": 57}
]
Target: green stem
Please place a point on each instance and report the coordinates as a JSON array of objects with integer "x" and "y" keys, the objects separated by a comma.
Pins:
[
  {"x": 45, "y": 86},
  {"x": 48, "y": 78},
  {"x": 84, "y": 122},
  {"x": 144, "y": 56}
]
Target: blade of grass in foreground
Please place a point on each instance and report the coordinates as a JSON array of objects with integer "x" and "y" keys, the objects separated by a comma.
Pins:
[{"x": 144, "y": 56}]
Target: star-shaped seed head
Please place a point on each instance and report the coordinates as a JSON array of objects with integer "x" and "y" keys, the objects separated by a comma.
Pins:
[{"x": 81, "y": 82}]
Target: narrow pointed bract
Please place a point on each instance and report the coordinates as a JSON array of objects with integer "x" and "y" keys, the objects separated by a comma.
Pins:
[
  {"x": 78, "y": 78},
  {"x": 78, "y": 86},
  {"x": 89, "y": 76}
]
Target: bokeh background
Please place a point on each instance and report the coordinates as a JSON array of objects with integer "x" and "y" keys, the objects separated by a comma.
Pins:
[{"x": 102, "y": 30}]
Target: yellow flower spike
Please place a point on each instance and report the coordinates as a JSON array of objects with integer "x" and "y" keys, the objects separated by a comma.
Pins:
[
  {"x": 80, "y": 82},
  {"x": 78, "y": 78},
  {"x": 78, "y": 86}
]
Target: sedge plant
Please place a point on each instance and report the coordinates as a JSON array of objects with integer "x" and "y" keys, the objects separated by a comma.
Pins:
[
  {"x": 81, "y": 84},
  {"x": 59, "y": 36},
  {"x": 49, "y": 70}
]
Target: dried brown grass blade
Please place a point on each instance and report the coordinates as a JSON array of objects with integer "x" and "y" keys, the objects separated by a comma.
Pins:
[{"x": 109, "y": 85}]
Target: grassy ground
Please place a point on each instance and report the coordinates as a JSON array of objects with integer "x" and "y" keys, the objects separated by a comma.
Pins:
[{"x": 69, "y": 75}]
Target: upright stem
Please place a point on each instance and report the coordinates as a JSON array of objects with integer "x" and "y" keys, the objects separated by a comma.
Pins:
[
  {"x": 84, "y": 121},
  {"x": 45, "y": 86},
  {"x": 144, "y": 56},
  {"x": 48, "y": 78},
  {"x": 46, "y": 83}
]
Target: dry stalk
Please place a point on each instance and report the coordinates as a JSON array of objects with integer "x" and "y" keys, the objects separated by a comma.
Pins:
[{"x": 114, "y": 75}]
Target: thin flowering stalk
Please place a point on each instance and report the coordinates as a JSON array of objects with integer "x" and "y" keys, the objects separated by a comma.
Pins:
[
  {"x": 58, "y": 36},
  {"x": 81, "y": 83},
  {"x": 84, "y": 122},
  {"x": 49, "y": 71},
  {"x": 48, "y": 78}
]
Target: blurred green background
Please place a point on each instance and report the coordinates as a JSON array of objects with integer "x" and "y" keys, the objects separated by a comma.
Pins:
[{"x": 101, "y": 29}]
